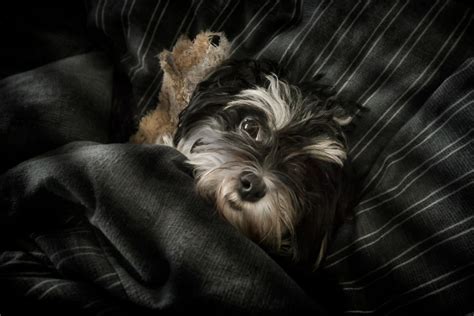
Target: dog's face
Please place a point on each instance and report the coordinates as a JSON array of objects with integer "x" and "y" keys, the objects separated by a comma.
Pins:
[{"x": 268, "y": 155}]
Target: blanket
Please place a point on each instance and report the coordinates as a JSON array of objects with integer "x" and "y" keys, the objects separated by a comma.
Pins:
[{"x": 90, "y": 224}]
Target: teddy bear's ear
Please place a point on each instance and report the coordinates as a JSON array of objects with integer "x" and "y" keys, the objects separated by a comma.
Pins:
[{"x": 215, "y": 40}]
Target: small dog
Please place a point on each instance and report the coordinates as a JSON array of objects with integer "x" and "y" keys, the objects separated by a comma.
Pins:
[{"x": 270, "y": 155}]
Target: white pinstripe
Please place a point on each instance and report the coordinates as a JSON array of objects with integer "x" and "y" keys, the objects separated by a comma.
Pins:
[
  {"x": 438, "y": 118},
  {"x": 73, "y": 248},
  {"x": 38, "y": 285},
  {"x": 369, "y": 40},
  {"x": 103, "y": 17},
  {"x": 178, "y": 32},
  {"x": 128, "y": 18},
  {"x": 219, "y": 16},
  {"x": 71, "y": 232},
  {"x": 251, "y": 20},
  {"x": 228, "y": 15},
  {"x": 256, "y": 26},
  {"x": 91, "y": 303},
  {"x": 411, "y": 290},
  {"x": 122, "y": 15},
  {"x": 69, "y": 219},
  {"x": 303, "y": 29},
  {"x": 78, "y": 255},
  {"x": 432, "y": 292},
  {"x": 126, "y": 34},
  {"x": 413, "y": 258},
  {"x": 400, "y": 214},
  {"x": 318, "y": 70},
  {"x": 336, "y": 32},
  {"x": 105, "y": 276},
  {"x": 142, "y": 42},
  {"x": 367, "y": 143},
  {"x": 413, "y": 33},
  {"x": 194, "y": 16},
  {"x": 108, "y": 287},
  {"x": 407, "y": 53},
  {"x": 278, "y": 32},
  {"x": 248, "y": 34},
  {"x": 52, "y": 288},
  {"x": 18, "y": 253},
  {"x": 387, "y": 263},
  {"x": 97, "y": 8},
  {"x": 463, "y": 68},
  {"x": 399, "y": 224},
  {"x": 19, "y": 262},
  {"x": 125, "y": 57},
  {"x": 439, "y": 153},
  {"x": 26, "y": 275},
  {"x": 157, "y": 24}
]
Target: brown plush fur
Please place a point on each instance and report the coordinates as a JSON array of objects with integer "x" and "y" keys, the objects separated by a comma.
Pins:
[{"x": 184, "y": 67}]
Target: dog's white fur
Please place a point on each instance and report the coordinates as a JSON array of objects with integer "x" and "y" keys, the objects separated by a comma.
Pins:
[{"x": 217, "y": 174}]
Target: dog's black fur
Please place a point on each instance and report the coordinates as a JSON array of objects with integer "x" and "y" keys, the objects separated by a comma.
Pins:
[{"x": 322, "y": 189}]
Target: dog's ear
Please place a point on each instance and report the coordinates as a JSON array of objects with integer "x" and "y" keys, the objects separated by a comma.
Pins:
[
  {"x": 311, "y": 244},
  {"x": 339, "y": 111},
  {"x": 323, "y": 213}
]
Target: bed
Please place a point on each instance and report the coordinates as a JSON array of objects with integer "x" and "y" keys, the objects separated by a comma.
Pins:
[{"x": 91, "y": 224}]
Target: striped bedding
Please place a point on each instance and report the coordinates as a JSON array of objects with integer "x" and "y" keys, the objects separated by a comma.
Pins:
[{"x": 104, "y": 228}]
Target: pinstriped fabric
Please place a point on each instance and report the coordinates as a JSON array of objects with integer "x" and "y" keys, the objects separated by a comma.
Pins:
[
  {"x": 391, "y": 60},
  {"x": 305, "y": 31},
  {"x": 253, "y": 24},
  {"x": 408, "y": 248},
  {"x": 157, "y": 30},
  {"x": 418, "y": 209},
  {"x": 348, "y": 18},
  {"x": 445, "y": 119},
  {"x": 280, "y": 29},
  {"x": 424, "y": 23},
  {"x": 462, "y": 269},
  {"x": 390, "y": 107},
  {"x": 414, "y": 249},
  {"x": 399, "y": 7},
  {"x": 114, "y": 262},
  {"x": 220, "y": 26},
  {"x": 392, "y": 220},
  {"x": 148, "y": 37},
  {"x": 420, "y": 78},
  {"x": 123, "y": 16},
  {"x": 358, "y": 9}
]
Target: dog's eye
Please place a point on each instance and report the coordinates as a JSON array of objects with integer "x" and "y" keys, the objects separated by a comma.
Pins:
[{"x": 251, "y": 127}]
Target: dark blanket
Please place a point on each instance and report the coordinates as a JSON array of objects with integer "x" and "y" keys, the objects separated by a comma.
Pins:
[{"x": 99, "y": 227}]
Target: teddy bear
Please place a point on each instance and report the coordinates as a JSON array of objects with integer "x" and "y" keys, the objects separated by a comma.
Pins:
[{"x": 189, "y": 63}]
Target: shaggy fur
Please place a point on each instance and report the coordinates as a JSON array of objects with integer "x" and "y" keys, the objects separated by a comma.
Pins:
[{"x": 270, "y": 155}]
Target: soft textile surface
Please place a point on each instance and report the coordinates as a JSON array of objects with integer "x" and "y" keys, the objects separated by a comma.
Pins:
[{"x": 106, "y": 228}]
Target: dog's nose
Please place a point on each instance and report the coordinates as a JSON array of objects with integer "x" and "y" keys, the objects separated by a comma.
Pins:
[{"x": 252, "y": 187}]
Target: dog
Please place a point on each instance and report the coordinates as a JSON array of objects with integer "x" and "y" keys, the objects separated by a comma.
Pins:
[{"x": 270, "y": 155}]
